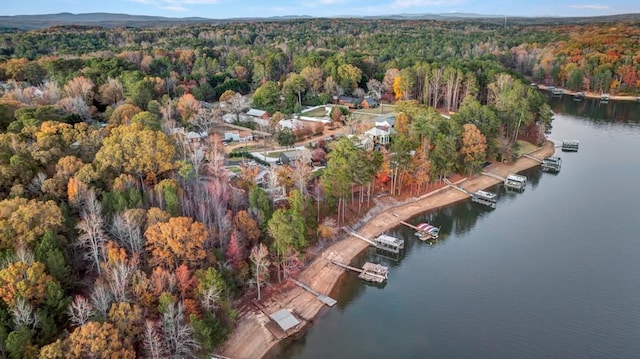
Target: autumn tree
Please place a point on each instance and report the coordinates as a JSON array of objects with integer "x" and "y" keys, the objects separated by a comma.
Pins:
[
  {"x": 349, "y": 75},
  {"x": 144, "y": 153},
  {"x": 24, "y": 280},
  {"x": 233, "y": 102},
  {"x": 123, "y": 114},
  {"x": 99, "y": 341},
  {"x": 472, "y": 150},
  {"x": 188, "y": 107},
  {"x": 111, "y": 92},
  {"x": 25, "y": 221},
  {"x": 178, "y": 241}
]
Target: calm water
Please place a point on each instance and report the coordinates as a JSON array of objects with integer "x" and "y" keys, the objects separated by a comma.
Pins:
[{"x": 553, "y": 272}]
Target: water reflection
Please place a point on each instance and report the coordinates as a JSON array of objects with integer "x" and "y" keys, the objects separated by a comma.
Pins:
[{"x": 627, "y": 112}]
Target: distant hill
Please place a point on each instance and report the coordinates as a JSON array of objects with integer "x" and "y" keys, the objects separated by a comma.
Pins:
[{"x": 109, "y": 20}]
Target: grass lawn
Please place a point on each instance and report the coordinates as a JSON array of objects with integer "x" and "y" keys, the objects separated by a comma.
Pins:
[
  {"x": 319, "y": 112},
  {"x": 382, "y": 110},
  {"x": 525, "y": 147},
  {"x": 275, "y": 154}
]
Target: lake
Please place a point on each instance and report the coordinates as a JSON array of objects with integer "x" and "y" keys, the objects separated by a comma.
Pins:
[{"x": 553, "y": 272}]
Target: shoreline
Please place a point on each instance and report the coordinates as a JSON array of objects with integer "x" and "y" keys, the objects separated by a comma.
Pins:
[
  {"x": 592, "y": 95},
  {"x": 251, "y": 339}
]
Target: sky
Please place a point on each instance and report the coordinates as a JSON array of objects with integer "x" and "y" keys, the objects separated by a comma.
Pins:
[{"x": 221, "y": 9}]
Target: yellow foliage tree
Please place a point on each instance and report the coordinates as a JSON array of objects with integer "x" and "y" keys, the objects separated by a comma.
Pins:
[
  {"x": 23, "y": 220},
  {"x": 99, "y": 341},
  {"x": 23, "y": 280},
  {"x": 178, "y": 241}
]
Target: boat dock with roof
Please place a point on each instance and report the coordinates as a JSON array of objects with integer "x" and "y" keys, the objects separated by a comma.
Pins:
[
  {"x": 552, "y": 164},
  {"x": 486, "y": 198},
  {"x": 515, "y": 182},
  {"x": 370, "y": 272},
  {"x": 570, "y": 145}
]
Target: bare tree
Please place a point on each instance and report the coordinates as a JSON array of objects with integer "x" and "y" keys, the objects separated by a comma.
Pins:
[
  {"x": 75, "y": 105},
  {"x": 80, "y": 87},
  {"x": 260, "y": 258},
  {"x": 101, "y": 299},
  {"x": 111, "y": 92},
  {"x": 301, "y": 172},
  {"x": 92, "y": 237},
  {"x": 210, "y": 300},
  {"x": 154, "y": 345},
  {"x": 376, "y": 88},
  {"x": 80, "y": 310},
  {"x": 127, "y": 229},
  {"x": 24, "y": 314},
  {"x": 178, "y": 334}
]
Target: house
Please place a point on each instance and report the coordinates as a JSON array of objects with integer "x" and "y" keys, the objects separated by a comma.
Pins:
[
  {"x": 379, "y": 135},
  {"x": 369, "y": 102},
  {"x": 238, "y": 135},
  {"x": 253, "y": 112},
  {"x": 350, "y": 102},
  {"x": 291, "y": 156},
  {"x": 363, "y": 141},
  {"x": 291, "y": 124},
  {"x": 232, "y": 117},
  {"x": 196, "y": 136},
  {"x": 388, "y": 121}
]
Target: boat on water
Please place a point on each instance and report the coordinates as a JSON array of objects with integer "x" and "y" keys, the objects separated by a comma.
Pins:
[
  {"x": 605, "y": 97},
  {"x": 578, "y": 96},
  {"x": 426, "y": 231}
]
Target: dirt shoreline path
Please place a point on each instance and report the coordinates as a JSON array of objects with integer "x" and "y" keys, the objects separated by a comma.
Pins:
[{"x": 252, "y": 340}]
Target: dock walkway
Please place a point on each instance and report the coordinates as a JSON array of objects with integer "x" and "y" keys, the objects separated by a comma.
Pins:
[
  {"x": 321, "y": 297},
  {"x": 492, "y": 175}
]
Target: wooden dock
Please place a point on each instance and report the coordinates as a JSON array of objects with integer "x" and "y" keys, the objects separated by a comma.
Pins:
[
  {"x": 455, "y": 186},
  {"x": 383, "y": 242},
  {"x": 370, "y": 272},
  {"x": 321, "y": 297},
  {"x": 424, "y": 236},
  {"x": 492, "y": 175},
  {"x": 533, "y": 158}
]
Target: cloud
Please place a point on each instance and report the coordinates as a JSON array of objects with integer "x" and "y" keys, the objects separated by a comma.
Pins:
[
  {"x": 593, "y": 7},
  {"x": 422, "y": 3},
  {"x": 175, "y": 8}
]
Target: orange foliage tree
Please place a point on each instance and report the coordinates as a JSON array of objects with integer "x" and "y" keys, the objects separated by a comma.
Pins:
[{"x": 178, "y": 241}]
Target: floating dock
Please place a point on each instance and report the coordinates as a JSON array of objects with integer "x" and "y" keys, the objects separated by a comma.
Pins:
[
  {"x": 383, "y": 242},
  {"x": 486, "y": 198},
  {"x": 552, "y": 164},
  {"x": 370, "y": 272},
  {"x": 570, "y": 145},
  {"x": 424, "y": 231},
  {"x": 515, "y": 182},
  {"x": 321, "y": 297}
]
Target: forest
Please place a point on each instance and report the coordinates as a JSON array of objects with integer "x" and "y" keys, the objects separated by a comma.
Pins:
[{"x": 121, "y": 237}]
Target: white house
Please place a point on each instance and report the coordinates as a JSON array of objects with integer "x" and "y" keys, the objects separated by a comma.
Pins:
[
  {"x": 379, "y": 135},
  {"x": 238, "y": 136},
  {"x": 291, "y": 124}
]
